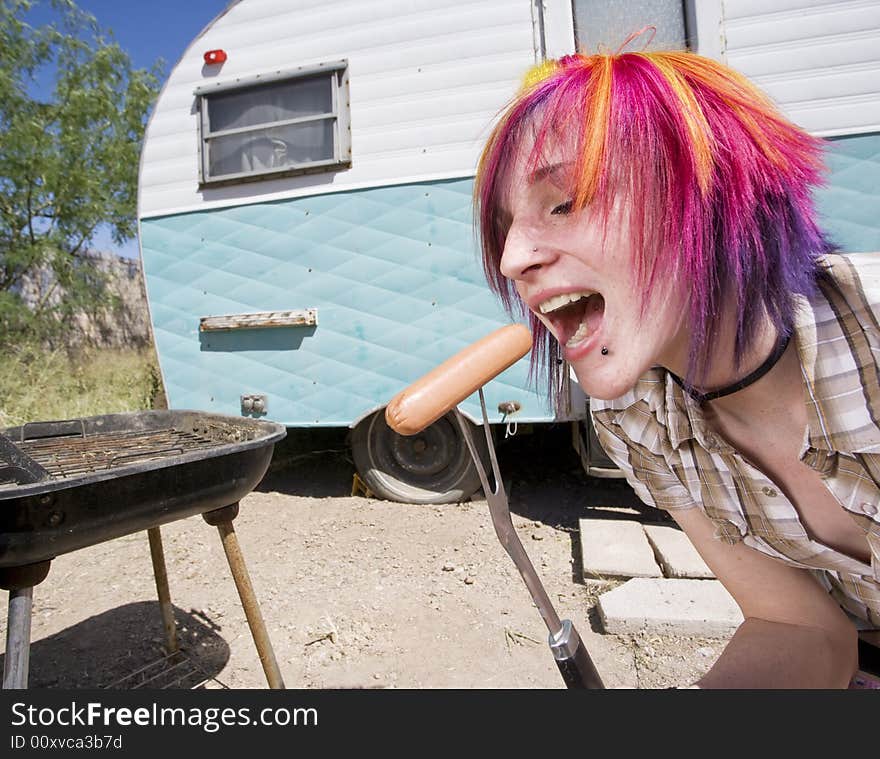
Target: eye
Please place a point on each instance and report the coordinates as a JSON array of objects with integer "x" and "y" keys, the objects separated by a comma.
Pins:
[{"x": 562, "y": 208}]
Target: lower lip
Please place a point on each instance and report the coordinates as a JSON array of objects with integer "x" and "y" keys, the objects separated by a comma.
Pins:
[{"x": 580, "y": 350}]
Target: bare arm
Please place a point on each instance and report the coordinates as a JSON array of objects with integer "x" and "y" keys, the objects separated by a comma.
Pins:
[{"x": 794, "y": 634}]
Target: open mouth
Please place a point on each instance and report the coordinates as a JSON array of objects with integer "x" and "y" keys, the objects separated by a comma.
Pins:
[{"x": 574, "y": 316}]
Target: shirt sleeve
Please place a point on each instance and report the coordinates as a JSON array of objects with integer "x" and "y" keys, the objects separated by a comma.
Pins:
[{"x": 647, "y": 471}]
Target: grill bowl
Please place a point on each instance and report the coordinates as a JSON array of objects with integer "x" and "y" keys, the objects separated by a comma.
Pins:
[{"x": 116, "y": 474}]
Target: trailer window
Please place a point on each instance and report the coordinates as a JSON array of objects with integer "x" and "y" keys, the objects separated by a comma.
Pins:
[
  {"x": 600, "y": 26},
  {"x": 266, "y": 129}
]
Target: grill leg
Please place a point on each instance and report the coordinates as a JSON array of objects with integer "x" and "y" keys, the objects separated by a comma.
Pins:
[
  {"x": 161, "y": 575},
  {"x": 222, "y": 519},
  {"x": 18, "y": 639},
  {"x": 20, "y": 582}
]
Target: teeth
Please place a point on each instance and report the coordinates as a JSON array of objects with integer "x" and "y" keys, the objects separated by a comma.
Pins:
[
  {"x": 582, "y": 331},
  {"x": 558, "y": 301}
]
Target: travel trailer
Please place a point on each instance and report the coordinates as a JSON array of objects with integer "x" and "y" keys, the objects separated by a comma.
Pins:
[{"x": 305, "y": 191}]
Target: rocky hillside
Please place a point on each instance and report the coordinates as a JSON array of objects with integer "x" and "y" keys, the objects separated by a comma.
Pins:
[{"x": 125, "y": 324}]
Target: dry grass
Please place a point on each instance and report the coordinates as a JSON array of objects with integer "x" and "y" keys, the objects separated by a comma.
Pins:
[{"x": 39, "y": 384}]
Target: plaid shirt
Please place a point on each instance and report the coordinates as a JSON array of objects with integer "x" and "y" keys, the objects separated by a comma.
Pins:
[{"x": 659, "y": 438}]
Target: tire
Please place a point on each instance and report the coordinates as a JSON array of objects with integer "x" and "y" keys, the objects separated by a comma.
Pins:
[{"x": 433, "y": 466}]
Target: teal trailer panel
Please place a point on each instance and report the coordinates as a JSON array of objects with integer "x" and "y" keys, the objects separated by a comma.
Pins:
[
  {"x": 850, "y": 204},
  {"x": 393, "y": 272}
]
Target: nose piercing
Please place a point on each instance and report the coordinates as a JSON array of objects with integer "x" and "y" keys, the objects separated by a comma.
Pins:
[{"x": 604, "y": 351}]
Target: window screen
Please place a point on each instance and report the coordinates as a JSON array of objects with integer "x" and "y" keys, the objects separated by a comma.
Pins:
[
  {"x": 600, "y": 26},
  {"x": 282, "y": 127}
]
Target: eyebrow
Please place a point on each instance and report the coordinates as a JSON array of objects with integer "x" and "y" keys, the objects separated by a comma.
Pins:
[{"x": 542, "y": 172}]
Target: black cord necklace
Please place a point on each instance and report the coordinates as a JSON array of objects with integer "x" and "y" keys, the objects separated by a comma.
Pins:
[{"x": 750, "y": 379}]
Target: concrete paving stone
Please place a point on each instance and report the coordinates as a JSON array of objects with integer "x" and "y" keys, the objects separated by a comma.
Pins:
[
  {"x": 616, "y": 548},
  {"x": 676, "y": 554},
  {"x": 670, "y": 606}
]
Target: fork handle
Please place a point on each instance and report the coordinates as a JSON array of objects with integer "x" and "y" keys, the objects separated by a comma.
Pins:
[{"x": 573, "y": 660}]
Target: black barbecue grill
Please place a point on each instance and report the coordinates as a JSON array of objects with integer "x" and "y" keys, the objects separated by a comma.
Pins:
[{"x": 65, "y": 485}]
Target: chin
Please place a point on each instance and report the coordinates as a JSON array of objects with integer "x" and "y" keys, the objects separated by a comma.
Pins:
[{"x": 605, "y": 384}]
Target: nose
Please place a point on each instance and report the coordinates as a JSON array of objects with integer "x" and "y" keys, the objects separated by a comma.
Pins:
[{"x": 523, "y": 254}]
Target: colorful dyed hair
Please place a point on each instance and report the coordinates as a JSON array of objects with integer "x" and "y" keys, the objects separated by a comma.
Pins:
[{"x": 718, "y": 184}]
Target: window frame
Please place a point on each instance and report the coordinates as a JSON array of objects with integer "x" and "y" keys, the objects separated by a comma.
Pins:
[{"x": 337, "y": 71}]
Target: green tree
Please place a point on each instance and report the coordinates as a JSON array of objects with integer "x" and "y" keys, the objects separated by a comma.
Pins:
[{"x": 68, "y": 159}]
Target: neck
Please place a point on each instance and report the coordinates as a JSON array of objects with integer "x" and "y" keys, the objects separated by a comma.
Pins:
[{"x": 724, "y": 375}]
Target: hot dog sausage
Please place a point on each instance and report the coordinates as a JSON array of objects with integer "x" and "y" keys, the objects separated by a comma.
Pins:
[{"x": 444, "y": 387}]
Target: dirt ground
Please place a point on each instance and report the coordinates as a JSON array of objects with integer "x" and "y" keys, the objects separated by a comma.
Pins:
[{"x": 355, "y": 592}]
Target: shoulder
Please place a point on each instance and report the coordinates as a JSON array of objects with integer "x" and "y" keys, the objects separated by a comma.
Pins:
[{"x": 857, "y": 277}]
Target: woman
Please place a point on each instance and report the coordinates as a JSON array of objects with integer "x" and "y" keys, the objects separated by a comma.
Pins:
[{"x": 652, "y": 213}]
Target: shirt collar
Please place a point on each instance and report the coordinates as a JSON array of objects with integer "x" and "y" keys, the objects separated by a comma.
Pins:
[
  {"x": 685, "y": 419},
  {"x": 840, "y": 384}
]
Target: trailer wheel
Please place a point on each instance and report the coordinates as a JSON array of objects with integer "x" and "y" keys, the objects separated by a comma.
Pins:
[{"x": 433, "y": 466}]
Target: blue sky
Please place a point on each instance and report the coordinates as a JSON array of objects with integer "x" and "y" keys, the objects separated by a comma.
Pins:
[{"x": 146, "y": 31}]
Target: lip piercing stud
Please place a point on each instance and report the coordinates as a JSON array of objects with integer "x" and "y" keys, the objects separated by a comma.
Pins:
[
  {"x": 604, "y": 351},
  {"x": 535, "y": 249}
]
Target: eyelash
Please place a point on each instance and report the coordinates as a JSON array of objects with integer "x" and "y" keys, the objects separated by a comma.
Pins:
[{"x": 562, "y": 208}]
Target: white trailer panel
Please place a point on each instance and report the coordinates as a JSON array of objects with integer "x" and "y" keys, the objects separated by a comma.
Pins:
[{"x": 427, "y": 79}]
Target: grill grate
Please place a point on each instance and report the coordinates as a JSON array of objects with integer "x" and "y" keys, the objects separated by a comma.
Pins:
[
  {"x": 72, "y": 456},
  {"x": 176, "y": 670}
]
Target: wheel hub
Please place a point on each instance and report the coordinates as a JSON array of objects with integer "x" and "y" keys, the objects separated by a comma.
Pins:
[{"x": 427, "y": 453}]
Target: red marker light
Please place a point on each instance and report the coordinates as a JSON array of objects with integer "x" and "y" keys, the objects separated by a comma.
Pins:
[{"x": 215, "y": 56}]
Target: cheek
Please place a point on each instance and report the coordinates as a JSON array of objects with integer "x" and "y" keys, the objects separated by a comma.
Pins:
[
  {"x": 623, "y": 302},
  {"x": 673, "y": 302}
]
